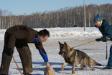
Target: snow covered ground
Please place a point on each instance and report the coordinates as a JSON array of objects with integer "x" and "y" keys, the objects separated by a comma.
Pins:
[{"x": 74, "y": 37}]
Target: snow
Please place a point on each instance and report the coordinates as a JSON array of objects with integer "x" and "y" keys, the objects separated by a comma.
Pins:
[
  {"x": 73, "y": 32},
  {"x": 74, "y": 37},
  {"x": 66, "y": 32}
]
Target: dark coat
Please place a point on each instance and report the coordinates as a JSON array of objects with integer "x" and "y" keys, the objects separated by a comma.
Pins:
[
  {"x": 19, "y": 36},
  {"x": 106, "y": 29}
]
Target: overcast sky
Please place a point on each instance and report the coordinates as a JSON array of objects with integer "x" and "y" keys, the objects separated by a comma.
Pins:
[{"x": 19, "y": 7}]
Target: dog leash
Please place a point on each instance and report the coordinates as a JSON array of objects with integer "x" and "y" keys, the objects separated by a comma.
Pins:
[
  {"x": 17, "y": 66},
  {"x": 85, "y": 43},
  {"x": 106, "y": 55}
]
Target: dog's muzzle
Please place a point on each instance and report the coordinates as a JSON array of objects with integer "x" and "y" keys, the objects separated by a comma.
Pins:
[{"x": 61, "y": 53}]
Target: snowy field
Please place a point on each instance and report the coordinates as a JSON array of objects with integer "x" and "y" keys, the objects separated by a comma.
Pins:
[{"x": 74, "y": 37}]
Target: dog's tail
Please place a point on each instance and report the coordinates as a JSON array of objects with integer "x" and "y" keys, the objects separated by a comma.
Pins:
[{"x": 98, "y": 64}]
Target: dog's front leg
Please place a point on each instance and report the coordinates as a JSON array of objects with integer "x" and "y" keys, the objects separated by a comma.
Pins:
[
  {"x": 63, "y": 65},
  {"x": 73, "y": 69}
]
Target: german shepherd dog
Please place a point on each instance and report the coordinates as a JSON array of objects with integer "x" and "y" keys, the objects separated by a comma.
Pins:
[{"x": 76, "y": 57}]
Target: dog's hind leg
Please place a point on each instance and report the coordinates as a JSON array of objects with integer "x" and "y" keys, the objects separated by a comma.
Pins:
[
  {"x": 91, "y": 65},
  {"x": 82, "y": 66}
]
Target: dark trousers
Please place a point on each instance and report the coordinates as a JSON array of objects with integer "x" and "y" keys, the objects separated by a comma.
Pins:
[
  {"x": 24, "y": 52},
  {"x": 110, "y": 58}
]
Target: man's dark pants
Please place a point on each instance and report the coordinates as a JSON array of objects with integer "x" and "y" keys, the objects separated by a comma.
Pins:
[
  {"x": 24, "y": 52},
  {"x": 110, "y": 58}
]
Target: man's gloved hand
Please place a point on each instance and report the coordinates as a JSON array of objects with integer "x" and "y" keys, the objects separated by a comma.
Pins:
[
  {"x": 48, "y": 65},
  {"x": 110, "y": 39},
  {"x": 98, "y": 39},
  {"x": 49, "y": 70},
  {"x": 104, "y": 39}
]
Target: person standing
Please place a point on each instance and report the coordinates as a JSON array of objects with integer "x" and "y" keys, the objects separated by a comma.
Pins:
[{"x": 106, "y": 31}]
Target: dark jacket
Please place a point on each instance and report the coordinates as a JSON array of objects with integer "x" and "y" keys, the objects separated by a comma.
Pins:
[
  {"x": 106, "y": 29},
  {"x": 21, "y": 35}
]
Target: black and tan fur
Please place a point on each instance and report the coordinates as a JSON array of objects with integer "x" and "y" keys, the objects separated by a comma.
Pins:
[{"x": 76, "y": 57}]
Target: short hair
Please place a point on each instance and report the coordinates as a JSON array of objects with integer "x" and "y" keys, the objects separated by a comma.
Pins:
[{"x": 44, "y": 32}]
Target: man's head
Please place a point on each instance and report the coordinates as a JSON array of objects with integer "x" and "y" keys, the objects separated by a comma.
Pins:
[
  {"x": 98, "y": 21},
  {"x": 44, "y": 35}
]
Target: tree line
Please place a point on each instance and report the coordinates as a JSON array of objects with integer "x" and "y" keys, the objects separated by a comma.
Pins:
[{"x": 66, "y": 17}]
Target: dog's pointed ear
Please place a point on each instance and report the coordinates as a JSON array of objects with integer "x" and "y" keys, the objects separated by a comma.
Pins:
[
  {"x": 72, "y": 48},
  {"x": 65, "y": 43},
  {"x": 59, "y": 42}
]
